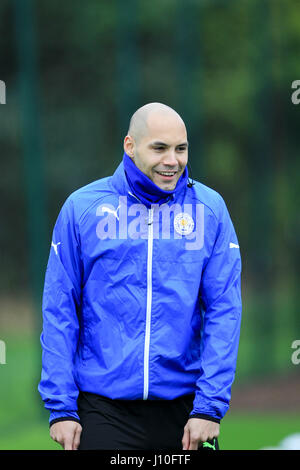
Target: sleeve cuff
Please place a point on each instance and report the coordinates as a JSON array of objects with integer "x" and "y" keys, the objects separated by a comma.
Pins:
[
  {"x": 204, "y": 416},
  {"x": 56, "y": 416}
]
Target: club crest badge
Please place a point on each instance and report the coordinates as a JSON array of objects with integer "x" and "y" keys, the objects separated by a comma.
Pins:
[{"x": 183, "y": 223}]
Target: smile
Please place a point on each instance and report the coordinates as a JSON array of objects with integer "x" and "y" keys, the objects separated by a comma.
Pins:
[{"x": 167, "y": 173}]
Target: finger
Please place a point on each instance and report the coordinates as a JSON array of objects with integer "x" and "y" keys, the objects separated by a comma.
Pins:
[
  {"x": 68, "y": 444},
  {"x": 185, "y": 440},
  {"x": 194, "y": 443},
  {"x": 53, "y": 436},
  {"x": 57, "y": 439},
  {"x": 76, "y": 441}
]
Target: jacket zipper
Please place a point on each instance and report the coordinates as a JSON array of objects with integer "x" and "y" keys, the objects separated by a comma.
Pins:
[{"x": 149, "y": 304}]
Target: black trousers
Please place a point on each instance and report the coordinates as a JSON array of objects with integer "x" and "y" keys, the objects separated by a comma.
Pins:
[{"x": 133, "y": 424}]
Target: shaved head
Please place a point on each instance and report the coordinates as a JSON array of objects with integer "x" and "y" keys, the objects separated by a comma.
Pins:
[
  {"x": 157, "y": 143},
  {"x": 139, "y": 122}
]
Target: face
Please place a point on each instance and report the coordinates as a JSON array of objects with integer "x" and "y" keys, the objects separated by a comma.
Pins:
[{"x": 162, "y": 154}]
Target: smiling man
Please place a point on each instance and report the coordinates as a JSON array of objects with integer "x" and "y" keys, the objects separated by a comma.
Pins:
[
  {"x": 157, "y": 143},
  {"x": 140, "y": 333}
]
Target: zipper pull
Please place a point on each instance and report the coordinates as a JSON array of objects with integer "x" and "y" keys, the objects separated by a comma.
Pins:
[{"x": 150, "y": 218}]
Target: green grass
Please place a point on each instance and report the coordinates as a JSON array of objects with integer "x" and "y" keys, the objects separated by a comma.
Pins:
[
  {"x": 24, "y": 422},
  {"x": 252, "y": 432},
  {"x": 19, "y": 378},
  {"x": 29, "y": 437}
]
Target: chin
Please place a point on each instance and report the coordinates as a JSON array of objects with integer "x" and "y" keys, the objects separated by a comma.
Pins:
[
  {"x": 165, "y": 186},
  {"x": 168, "y": 187}
]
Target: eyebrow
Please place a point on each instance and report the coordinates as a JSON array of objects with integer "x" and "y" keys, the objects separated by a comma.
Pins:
[{"x": 163, "y": 144}]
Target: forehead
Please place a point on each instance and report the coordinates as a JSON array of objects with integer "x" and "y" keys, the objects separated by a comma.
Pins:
[{"x": 165, "y": 127}]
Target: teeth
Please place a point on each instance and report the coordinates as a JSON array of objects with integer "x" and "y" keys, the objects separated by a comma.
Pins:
[{"x": 166, "y": 174}]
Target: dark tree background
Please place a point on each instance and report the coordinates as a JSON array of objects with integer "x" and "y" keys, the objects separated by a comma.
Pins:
[{"x": 76, "y": 71}]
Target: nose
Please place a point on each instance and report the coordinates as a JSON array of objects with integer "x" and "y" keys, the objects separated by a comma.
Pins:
[{"x": 169, "y": 158}]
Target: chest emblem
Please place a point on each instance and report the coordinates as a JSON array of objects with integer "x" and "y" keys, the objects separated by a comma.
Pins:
[{"x": 183, "y": 223}]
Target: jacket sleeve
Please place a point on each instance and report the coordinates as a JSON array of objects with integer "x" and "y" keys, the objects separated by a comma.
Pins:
[
  {"x": 61, "y": 305},
  {"x": 56, "y": 416},
  {"x": 222, "y": 307}
]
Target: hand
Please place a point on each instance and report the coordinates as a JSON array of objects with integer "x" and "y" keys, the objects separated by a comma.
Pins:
[
  {"x": 67, "y": 434},
  {"x": 198, "y": 431}
]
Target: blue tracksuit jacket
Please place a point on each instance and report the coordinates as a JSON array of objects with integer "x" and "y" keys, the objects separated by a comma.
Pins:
[{"x": 141, "y": 303}]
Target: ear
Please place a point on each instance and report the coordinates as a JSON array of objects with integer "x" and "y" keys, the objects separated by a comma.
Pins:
[{"x": 129, "y": 146}]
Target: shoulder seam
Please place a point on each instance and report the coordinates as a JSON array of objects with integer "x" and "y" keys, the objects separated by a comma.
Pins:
[
  {"x": 104, "y": 192},
  {"x": 205, "y": 204},
  {"x": 107, "y": 193}
]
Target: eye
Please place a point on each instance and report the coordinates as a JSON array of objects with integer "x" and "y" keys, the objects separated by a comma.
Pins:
[
  {"x": 181, "y": 149},
  {"x": 159, "y": 148}
]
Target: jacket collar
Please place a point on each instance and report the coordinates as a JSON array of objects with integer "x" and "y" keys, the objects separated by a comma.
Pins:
[{"x": 120, "y": 184}]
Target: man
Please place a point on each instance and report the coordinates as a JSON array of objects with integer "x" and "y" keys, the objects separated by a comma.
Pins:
[{"x": 142, "y": 302}]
